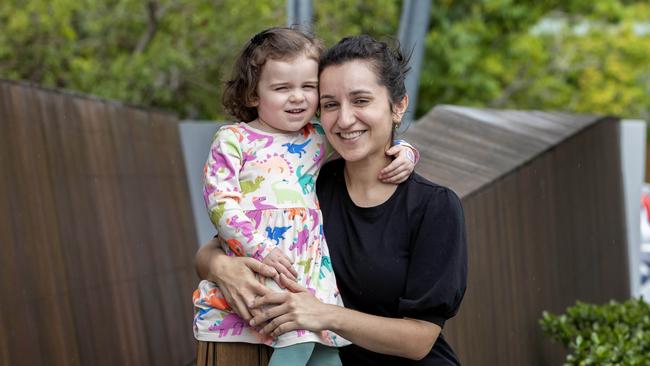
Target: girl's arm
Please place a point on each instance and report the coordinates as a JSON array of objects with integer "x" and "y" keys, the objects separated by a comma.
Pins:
[
  {"x": 405, "y": 157},
  {"x": 405, "y": 337},
  {"x": 222, "y": 193}
]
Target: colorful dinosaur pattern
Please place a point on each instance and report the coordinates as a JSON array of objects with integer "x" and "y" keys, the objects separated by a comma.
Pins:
[
  {"x": 297, "y": 148},
  {"x": 231, "y": 322},
  {"x": 260, "y": 192},
  {"x": 306, "y": 181},
  {"x": 276, "y": 233}
]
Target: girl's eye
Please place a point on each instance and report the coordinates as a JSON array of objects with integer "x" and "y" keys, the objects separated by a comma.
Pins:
[
  {"x": 328, "y": 105},
  {"x": 281, "y": 88},
  {"x": 309, "y": 87}
]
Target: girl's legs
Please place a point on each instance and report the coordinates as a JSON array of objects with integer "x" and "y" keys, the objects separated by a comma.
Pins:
[
  {"x": 294, "y": 355},
  {"x": 324, "y": 356}
]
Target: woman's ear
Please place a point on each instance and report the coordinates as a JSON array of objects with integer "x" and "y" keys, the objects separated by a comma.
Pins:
[{"x": 399, "y": 109}]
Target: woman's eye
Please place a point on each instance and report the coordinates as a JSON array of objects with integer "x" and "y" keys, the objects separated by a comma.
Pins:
[
  {"x": 328, "y": 105},
  {"x": 361, "y": 101}
]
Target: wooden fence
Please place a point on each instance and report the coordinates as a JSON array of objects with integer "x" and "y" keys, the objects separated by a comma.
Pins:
[
  {"x": 97, "y": 240},
  {"x": 96, "y": 233},
  {"x": 543, "y": 201}
]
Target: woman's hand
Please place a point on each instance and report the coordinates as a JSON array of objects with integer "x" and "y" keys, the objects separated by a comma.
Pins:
[
  {"x": 235, "y": 276},
  {"x": 298, "y": 309},
  {"x": 401, "y": 167}
]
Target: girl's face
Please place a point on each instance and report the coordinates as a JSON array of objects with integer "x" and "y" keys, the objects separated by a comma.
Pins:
[
  {"x": 355, "y": 111},
  {"x": 287, "y": 94}
]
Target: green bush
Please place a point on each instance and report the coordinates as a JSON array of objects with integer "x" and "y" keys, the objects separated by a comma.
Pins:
[{"x": 610, "y": 334}]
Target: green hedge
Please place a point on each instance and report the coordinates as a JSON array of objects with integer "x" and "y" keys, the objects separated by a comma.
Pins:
[{"x": 610, "y": 334}]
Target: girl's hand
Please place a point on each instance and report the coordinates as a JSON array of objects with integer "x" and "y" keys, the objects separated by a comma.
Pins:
[
  {"x": 235, "y": 277},
  {"x": 288, "y": 311},
  {"x": 401, "y": 167},
  {"x": 281, "y": 263}
]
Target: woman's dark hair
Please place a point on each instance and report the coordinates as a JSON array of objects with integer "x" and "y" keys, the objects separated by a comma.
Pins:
[
  {"x": 389, "y": 63},
  {"x": 276, "y": 43}
]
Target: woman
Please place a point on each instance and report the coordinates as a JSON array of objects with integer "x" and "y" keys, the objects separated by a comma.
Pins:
[{"x": 398, "y": 251}]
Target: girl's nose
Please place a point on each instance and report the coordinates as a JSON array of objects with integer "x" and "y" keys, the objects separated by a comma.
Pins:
[{"x": 297, "y": 96}]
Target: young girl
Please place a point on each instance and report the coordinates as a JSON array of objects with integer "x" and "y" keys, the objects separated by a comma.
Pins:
[{"x": 259, "y": 188}]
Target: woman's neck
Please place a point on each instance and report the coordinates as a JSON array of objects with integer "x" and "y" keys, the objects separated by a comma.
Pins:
[{"x": 363, "y": 184}]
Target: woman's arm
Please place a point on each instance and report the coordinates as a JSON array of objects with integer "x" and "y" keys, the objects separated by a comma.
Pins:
[
  {"x": 405, "y": 337},
  {"x": 235, "y": 276}
]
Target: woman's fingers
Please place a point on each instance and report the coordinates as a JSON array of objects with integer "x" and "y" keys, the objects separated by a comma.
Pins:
[
  {"x": 239, "y": 306},
  {"x": 271, "y": 298},
  {"x": 277, "y": 322},
  {"x": 269, "y": 313},
  {"x": 292, "y": 285}
]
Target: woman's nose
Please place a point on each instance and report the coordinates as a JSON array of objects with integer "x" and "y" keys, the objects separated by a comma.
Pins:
[{"x": 346, "y": 116}]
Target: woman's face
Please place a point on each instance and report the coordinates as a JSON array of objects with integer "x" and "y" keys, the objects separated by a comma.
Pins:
[{"x": 355, "y": 111}]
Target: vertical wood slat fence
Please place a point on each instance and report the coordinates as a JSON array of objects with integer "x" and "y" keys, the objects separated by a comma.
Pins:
[
  {"x": 543, "y": 201},
  {"x": 97, "y": 241},
  {"x": 96, "y": 233}
]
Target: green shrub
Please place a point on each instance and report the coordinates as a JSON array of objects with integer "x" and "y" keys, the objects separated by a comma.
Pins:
[{"x": 610, "y": 334}]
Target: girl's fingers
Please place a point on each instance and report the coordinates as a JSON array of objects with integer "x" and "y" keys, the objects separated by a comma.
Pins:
[
  {"x": 390, "y": 168},
  {"x": 393, "y": 150},
  {"x": 398, "y": 178},
  {"x": 283, "y": 270},
  {"x": 289, "y": 271}
]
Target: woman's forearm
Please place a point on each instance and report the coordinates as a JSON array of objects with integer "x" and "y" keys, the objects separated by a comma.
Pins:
[
  {"x": 207, "y": 260},
  {"x": 409, "y": 338}
]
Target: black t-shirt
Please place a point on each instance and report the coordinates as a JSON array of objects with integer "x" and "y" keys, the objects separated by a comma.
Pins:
[{"x": 406, "y": 257}]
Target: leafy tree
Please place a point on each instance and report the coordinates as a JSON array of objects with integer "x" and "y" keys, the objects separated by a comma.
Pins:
[
  {"x": 489, "y": 53},
  {"x": 166, "y": 53},
  {"x": 175, "y": 54}
]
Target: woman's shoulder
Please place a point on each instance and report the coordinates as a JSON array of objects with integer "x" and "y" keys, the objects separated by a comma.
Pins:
[{"x": 423, "y": 192}]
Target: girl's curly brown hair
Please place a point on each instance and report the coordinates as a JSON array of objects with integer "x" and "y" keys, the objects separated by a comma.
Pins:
[{"x": 278, "y": 43}]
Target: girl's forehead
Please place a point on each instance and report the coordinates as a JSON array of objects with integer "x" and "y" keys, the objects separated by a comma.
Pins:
[{"x": 296, "y": 67}]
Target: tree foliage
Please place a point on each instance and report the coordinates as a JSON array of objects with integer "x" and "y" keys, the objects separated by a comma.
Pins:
[{"x": 175, "y": 54}]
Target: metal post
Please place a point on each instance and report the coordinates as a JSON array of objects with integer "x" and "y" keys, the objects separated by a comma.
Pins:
[
  {"x": 299, "y": 12},
  {"x": 413, "y": 27}
]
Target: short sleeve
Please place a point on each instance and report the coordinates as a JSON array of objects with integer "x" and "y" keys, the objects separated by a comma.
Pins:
[{"x": 437, "y": 272}]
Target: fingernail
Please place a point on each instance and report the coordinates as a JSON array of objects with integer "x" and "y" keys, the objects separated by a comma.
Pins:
[{"x": 252, "y": 323}]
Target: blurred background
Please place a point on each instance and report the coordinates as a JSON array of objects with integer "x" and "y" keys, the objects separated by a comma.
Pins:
[
  {"x": 587, "y": 56},
  {"x": 533, "y": 111}
]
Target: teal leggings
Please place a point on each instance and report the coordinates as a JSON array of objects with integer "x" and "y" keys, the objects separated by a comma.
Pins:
[{"x": 305, "y": 354}]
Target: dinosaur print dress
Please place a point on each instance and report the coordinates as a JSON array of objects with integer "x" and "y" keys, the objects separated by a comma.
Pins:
[{"x": 259, "y": 189}]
